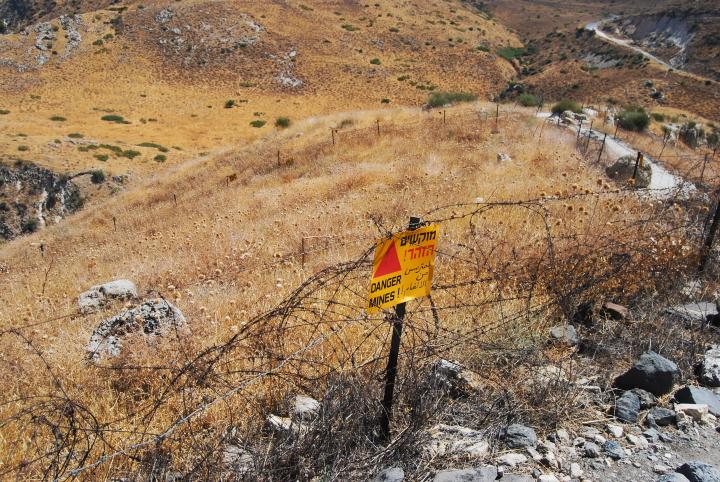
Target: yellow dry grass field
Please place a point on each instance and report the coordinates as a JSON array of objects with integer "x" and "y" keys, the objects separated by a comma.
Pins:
[
  {"x": 170, "y": 78},
  {"x": 225, "y": 250}
]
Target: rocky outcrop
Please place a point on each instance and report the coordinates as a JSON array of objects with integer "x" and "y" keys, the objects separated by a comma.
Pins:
[
  {"x": 152, "y": 318},
  {"x": 624, "y": 168},
  {"x": 32, "y": 197},
  {"x": 97, "y": 296},
  {"x": 652, "y": 372}
]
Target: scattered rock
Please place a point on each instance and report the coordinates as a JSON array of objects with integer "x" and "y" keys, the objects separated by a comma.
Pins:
[
  {"x": 674, "y": 477},
  {"x": 454, "y": 378},
  {"x": 652, "y": 372},
  {"x": 511, "y": 459},
  {"x": 614, "y": 311},
  {"x": 699, "y": 395},
  {"x": 699, "y": 311},
  {"x": 94, "y": 298},
  {"x": 575, "y": 470},
  {"x": 697, "y": 412},
  {"x": 286, "y": 425},
  {"x": 709, "y": 370},
  {"x": 565, "y": 333},
  {"x": 591, "y": 450},
  {"x": 153, "y": 317},
  {"x": 502, "y": 157},
  {"x": 662, "y": 416},
  {"x": 647, "y": 399},
  {"x": 482, "y": 474},
  {"x": 614, "y": 450},
  {"x": 639, "y": 442},
  {"x": 306, "y": 408},
  {"x": 615, "y": 430},
  {"x": 453, "y": 439},
  {"x": 622, "y": 171},
  {"x": 699, "y": 472},
  {"x": 519, "y": 436},
  {"x": 392, "y": 474},
  {"x": 236, "y": 461},
  {"x": 548, "y": 478},
  {"x": 627, "y": 407},
  {"x": 517, "y": 478}
]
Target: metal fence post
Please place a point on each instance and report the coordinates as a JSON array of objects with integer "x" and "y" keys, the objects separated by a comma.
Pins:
[{"x": 391, "y": 371}]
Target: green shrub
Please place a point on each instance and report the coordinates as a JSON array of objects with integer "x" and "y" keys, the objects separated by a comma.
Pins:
[
  {"x": 713, "y": 139},
  {"x": 375, "y": 61},
  {"x": 58, "y": 118},
  {"x": 258, "y": 123},
  {"x": 97, "y": 177},
  {"x": 130, "y": 154},
  {"x": 509, "y": 53},
  {"x": 75, "y": 135},
  {"x": 403, "y": 78},
  {"x": 349, "y": 27},
  {"x": 385, "y": 101},
  {"x": 101, "y": 157},
  {"x": 154, "y": 145},
  {"x": 282, "y": 122},
  {"x": 98, "y": 42},
  {"x": 658, "y": 117},
  {"x": 566, "y": 104},
  {"x": 483, "y": 48},
  {"x": 229, "y": 104},
  {"x": 23, "y": 148},
  {"x": 30, "y": 225},
  {"x": 118, "y": 119},
  {"x": 160, "y": 158},
  {"x": 438, "y": 99},
  {"x": 529, "y": 100},
  {"x": 633, "y": 118},
  {"x": 4, "y": 112}
]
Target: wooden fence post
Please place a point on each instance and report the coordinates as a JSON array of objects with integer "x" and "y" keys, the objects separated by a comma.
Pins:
[
  {"x": 707, "y": 246},
  {"x": 602, "y": 147}
]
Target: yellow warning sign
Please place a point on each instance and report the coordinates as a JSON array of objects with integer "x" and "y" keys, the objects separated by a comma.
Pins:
[{"x": 402, "y": 268}]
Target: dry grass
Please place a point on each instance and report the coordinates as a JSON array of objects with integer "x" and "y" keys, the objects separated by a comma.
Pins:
[{"x": 228, "y": 251}]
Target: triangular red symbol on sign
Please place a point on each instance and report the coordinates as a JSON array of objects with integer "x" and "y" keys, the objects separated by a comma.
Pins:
[{"x": 390, "y": 262}]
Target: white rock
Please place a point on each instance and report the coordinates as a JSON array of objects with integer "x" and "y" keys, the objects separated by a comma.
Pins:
[
  {"x": 548, "y": 478},
  {"x": 502, "y": 157},
  {"x": 615, "y": 430},
  {"x": 511, "y": 459},
  {"x": 306, "y": 407},
  {"x": 575, "y": 470},
  {"x": 287, "y": 425},
  {"x": 639, "y": 442},
  {"x": 454, "y": 439},
  {"x": 94, "y": 298},
  {"x": 661, "y": 469},
  {"x": 563, "y": 435},
  {"x": 696, "y": 411}
]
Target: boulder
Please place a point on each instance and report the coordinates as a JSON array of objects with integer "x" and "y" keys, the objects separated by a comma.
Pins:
[
  {"x": 699, "y": 311},
  {"x": 391, "y": 474},
  {"x": 662, "y": 416},
  {"x": 699, "y": 472},
  {"x": 99, "y": 295},
  {"x": 453, "y": 377},
  {"x": 565, "y": 334},
  {"x": 153, "y": 318},
  {"x": 699, "y": 395},
  {"x": 622, "y": 171},
  {"x": 627, "y": 407},
  {"x": 647, "y": 399},
  {"x": 457, "y": 440},
  {"x": 651, "y": 372},
  {"x": 482, "y": 474},
  {"x": 518, "y": 436},
  {"x": 614, "y": 311},
  {"x": 709, "y": 369}
]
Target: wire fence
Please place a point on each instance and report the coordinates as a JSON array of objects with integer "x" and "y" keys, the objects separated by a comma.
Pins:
[{"x": 505, "y": 272}]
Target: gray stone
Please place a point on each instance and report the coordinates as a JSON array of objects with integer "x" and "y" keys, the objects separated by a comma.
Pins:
[
  {"x": 647, "y": 399},
  {"x": 591, "y": 450},
  {"x": 511, "y": 459},
  {"x": 674, "y": 477},
  {"x": 614, "y": 450},
  {"x": 709, "y": 370},
  {"x": 97, "y": 296},
  {"x": 454, "y": 440},
  {"x": 153, "y": 318},
  {"x": 392, "y": 474},
  {"x": 622, "y": 171},
  {"x": 519, "y": 436},
  {"x": 517, "y": 478},
  {"x": 482, "y": 474},
  {"x": 627, "y": 407},
  {"x": 651, "y": 372},
  {"x": 698, "y": 311},
  {"x": 699, "y": 472},
  {"x": 699, "y": 395},
  {"x": 236, "y": 461},
  {"x": 306, "y": 407},
  {"x": 662, "y": 416},
  {"x": 565, "y": 333},
  {"x": 454, "y": 378}
]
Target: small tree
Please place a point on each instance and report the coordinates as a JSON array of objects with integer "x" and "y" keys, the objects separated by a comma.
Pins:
[
  {"x": 282, "y": 122},
  {"x": 229, "y": 104},
  {"x": 97, "y": 177},
  {"x": 633, "y": 118}
]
